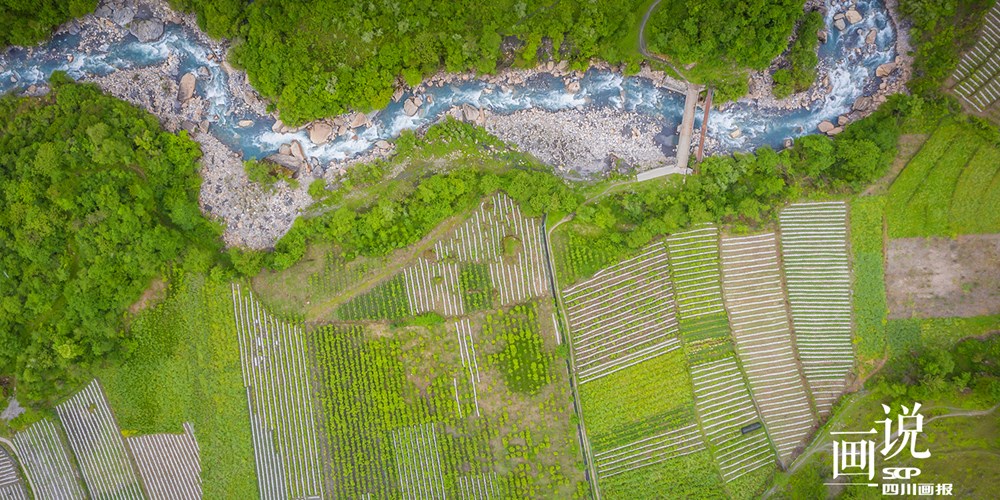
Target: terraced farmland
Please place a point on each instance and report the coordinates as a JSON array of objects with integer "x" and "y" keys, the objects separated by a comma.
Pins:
[
  {"x": 45, "y": 461},
  {"x": 10, "y": 484},
  {"x": 977, "y": 77},
  {"x": 98, "y": 446},
  {"x": 727, "y": 415},
  {"x": 755, "y": 298},
  {"x": 169, "y": 464},
  {"x": 694, "y": 264},
  {"x": 418, "y": 460},
  {"x": 623, "y": 315},
  {"x": 280, "y": 401},
  {"x": 814, "y": 247}
]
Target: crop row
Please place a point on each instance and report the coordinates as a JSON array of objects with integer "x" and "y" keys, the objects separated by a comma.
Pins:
[
  {"x": 978, "y": 73},
  {"x": 814, "y": 247},
  {"x": 470, "y": 360},
  {"x": 434, "y": 286},
  {"x": 418, "y": 462},
  {"x": 762, "y": 331},
  {"x": 46, "y": 462},
  {"x": 648, "y": 451},
  {"x": 386, "y": 300},
  {"x": 169, "y": 464},
  {"x": 479, "y": 486},
  {"x": 623, "y": 315},
  {"x": 97, "y": 444},
  {"x": 10, "y": 485},
  {"x": 694, "y": 266},
  {"x": 727, "y": 415},
  {"x": 275, "y": 373}
]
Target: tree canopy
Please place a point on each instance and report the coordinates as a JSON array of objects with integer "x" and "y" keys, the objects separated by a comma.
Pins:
[
  {"x": 95, "y": 198},
  {"x": 26, "y": 22}
]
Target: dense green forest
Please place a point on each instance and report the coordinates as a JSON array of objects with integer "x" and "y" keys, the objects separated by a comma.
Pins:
[
  {"x": 95, "y": 199},
  {"x": 317, "y": 59},
  {"x": 26, "y": 22}
]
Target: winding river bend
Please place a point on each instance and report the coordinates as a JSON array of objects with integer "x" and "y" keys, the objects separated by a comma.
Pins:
[{"x": 848, "y": 62}]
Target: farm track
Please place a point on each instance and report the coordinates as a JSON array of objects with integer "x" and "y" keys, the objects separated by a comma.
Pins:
[{"x": 10, "y": 484}]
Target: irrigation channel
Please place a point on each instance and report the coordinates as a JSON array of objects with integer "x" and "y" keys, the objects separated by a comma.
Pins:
[{"x": 848, "y": 63}]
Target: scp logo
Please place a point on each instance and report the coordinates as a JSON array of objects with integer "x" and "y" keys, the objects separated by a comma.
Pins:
[{"x": 896, "y": 473}]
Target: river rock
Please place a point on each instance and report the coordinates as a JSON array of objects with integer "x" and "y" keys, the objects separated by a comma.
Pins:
[
  {"x": 853, "y": 16},
  {"x": 822, "y": 35},
  {"x": 872, "y": 36},
  {"x": 840, "y": 24},
  {"x": 285, "y": 149},
  {"x": 470, "y": 113},
  {"x": 883, "y": 70},
  {"x": 277, "y": 126},
  {"x": 320, "y": 132},
  {"x": 147, "y": 30},
  {"x": 245, "y": 123},
  {"x": 573, "y": 87},
  {"x": 185, "y": 91},
  {"x": 359, "y": 120},
  {"x": 410, "y": 107},
  {"x": 835, "y": 131},
  {"x": 736, "y": 134},
  {"x": 298, "y": 151},
  {"x": 203, "y": 126},
  {"x": 862, "y": 103},
  {"x": 562, "y": 66},
  {"x": 382, "y": 144},
  {"x": 842, "y": 120},
  {"x": 122, "y": 16},
  {"x": 290, "y": 162},
  {"x": 825, "y": 126}
]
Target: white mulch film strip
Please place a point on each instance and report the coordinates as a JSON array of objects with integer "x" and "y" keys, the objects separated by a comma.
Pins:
[
  {"x": 98, "y": 445},
  {"x": 169, "y": 464},
  {"x": 470, "y": 360},
  {"x": 814, "y": 251},
  {"x": 978, "y": 72},
  {"x": 45, "y": 461},
  {"x": 479, "y": 486},
  {"x": 649, "y": 451},
  {"x": 751, "y": 281},
  {"x": 434, "y": 286},
  {"x": 10, "y": 484},
  {"x": 694, "y": 263},
  {"x": 418, "y": 462},
  {"x": 623, "y": 315},
  {"x": 282, "y": 422},
  {"x": 724, "y": 407}
]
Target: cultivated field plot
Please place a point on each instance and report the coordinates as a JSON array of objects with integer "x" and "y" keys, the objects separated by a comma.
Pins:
[
  {"x": 977, "y": 76},
  {"x": 10, "y": 484},
  {"x": 728, "y": 418},
  {"x": 169, "y": 464},
  {"x": 418, "y": 460},
  {"x": 694, "y": 264},
  {"x": 281, "y": 412},
  {"x": 97, "y": 443},
  {"x": 814, "y": 247},
  {"x": 45, "y": 460},
  {"x": 623, "y": 315},
  {"x": 751, "y": 279}
]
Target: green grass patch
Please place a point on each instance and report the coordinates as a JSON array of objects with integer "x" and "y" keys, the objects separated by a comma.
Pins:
[
  {"x": 906, "y": 335},
  {"x": 183, "y": 365},
  {"x": 477, "y": 288},
  {"x": 690, "y": 476},
  {"x": 870, "y": 308},
  {"x": 712, "y": 326},
  {"x": 520, "y": 352},
  {"x": 386, "y": 301}
]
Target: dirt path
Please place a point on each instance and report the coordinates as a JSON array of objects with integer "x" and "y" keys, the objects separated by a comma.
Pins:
[
  {"x": 13, "y": 453},
  {"x": 642, "y": 40}
]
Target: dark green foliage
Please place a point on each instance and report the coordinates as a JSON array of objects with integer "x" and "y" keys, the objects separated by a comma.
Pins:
[
  {"x": 721, "y": 38},
  {"x": 319, "y": 59},
  {"x": 521, "y": 357},
  {"x": 477, "y": 288},
  {"x": 802, "y": 58},
  {"x": 95, "y": 199},
  {"x": 870, "y": 309},
  {"x": 26, "y": 22},
  {"x": 267, "y": 173},
  {"x": 387, "y": 300}
]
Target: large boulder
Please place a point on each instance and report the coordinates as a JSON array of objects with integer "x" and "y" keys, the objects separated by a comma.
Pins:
[
  {"x": 573, "y": 87},
  {"x": 359, "y": 120},
  {"x": 298, "y": 151},
  {"x": 862, "y": 103},
  {"x": 883, "y": 70},
  {"x": 122, "y": 15},
  {"x": 840, "y": 24},
  {"x": 320, "y": 132},
  {"x": 872, "y": 36},
  {"x": 825, "y": 126},
  {"x": 410, "y": 107},
  {"x": 290, "y": 162},
  {"x": 470, "y": 113},
  {"x": 185, "y": 90},
  {"x": 147, "y": 30},
  {"x": 853, "y": 16}
]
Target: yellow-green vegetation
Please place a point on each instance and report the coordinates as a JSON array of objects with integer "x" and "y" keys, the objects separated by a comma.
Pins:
[
  {"x": 267, "y": 173},
  {"x": 443, "y": 405},
  {"x": 909, "y": 335},
  {"x": 870, "y": 309},
  {"x": 952, "y": 185},
  {"x": 182, "y": 364}
]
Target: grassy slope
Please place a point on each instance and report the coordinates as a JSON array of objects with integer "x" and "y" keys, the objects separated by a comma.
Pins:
[
  {"x": 156, "y": 389},
  {"x": 870, "y": 309}
]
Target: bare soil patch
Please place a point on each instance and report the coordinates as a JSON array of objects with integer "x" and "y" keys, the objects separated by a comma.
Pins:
[
  {"x": 156, "y": 291},
  {"x": 941, "y": 277}
]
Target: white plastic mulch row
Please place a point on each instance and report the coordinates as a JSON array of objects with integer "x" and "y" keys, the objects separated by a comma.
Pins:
[
  {"x": 694, "y": 264},
  {"x": 45, "y": 461},
  {"x": 479, "y": 486},
  {"x": 751, "y": 280},
  {"x": 724, "y": 408},
  {"x": 978, "y": 73},
  {"x": 434, "y": 286},
  {"x": 649, "y": 451},
  {"x": 623, "y": 315},
  {"x": 169, "y": 464},
  {"x": 418, "y": 462},
  {"x": 97, "y": 443},
  {"x": 276, "y": 375},
  {"x": 814, "y": 251},
  {"x": 10, "y": 484},
  {"x": 470, "y": 360}
]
